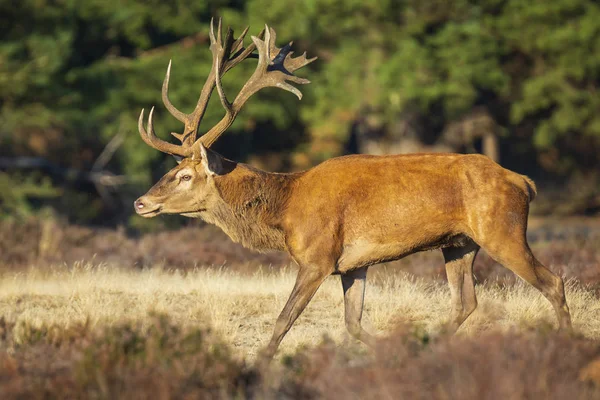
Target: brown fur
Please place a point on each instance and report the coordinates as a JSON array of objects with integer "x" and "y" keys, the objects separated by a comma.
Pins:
[
  {"x": 355, "y": 211},
  {"x": 250, "y": 207}
]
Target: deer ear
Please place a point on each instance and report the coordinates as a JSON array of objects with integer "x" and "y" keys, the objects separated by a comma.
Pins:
[
  {"x": 211, "y": 161},
  {"x": 179, "y": 159}
]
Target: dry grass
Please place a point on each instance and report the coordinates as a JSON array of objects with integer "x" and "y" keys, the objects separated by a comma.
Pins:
[
  {"x": 117, "y": 329},
  {"x": 106, "y": 332},
  {"x": 242, "y": 308}
]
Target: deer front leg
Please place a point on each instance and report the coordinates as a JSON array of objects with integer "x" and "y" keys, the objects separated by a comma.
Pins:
[
  {"x": 307, "y": 283},
  {"x": 353, "y": 283}
]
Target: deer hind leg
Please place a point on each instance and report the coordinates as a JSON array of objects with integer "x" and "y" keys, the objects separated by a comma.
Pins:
[
  {"x": 517, "y": 257},
  {"x": 307, "y": 283},
  {"x": 459, "y": 269},
  {"x": 505, "y": 241},
  {"x": 353, "y": 283}
]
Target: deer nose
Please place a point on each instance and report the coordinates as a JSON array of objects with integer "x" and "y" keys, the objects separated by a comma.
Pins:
[{"x": 138, "y": 204}]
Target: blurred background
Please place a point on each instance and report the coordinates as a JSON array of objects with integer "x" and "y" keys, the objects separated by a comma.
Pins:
[{"x": 516, "y": 80}]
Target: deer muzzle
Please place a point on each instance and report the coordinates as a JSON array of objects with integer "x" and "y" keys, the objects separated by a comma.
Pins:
[{"x": 146, "y": 208}]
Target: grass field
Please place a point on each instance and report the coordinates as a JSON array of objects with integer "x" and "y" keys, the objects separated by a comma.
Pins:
[
  {"x": 126, "y": 326},
  {"x": 242, "y": 308}
]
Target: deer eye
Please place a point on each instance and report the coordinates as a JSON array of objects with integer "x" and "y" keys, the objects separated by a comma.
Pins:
[{"x": 186, "y": 177}]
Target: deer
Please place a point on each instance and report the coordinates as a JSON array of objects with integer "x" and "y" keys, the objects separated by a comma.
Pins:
[{"x": 347, "y": 213}]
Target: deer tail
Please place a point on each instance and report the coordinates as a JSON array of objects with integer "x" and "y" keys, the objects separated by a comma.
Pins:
[{"x": 531, "y": 188}]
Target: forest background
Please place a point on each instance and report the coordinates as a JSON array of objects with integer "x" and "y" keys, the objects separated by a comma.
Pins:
[{"x": 517, "y": 80}]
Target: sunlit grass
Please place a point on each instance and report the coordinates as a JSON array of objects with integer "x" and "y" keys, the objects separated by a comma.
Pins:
[{"x": 243, "y": 308}]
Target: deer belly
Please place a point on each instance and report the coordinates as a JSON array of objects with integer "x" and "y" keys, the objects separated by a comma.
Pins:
[
  {"x": 364, "y": 253},
  {"x": 361, "y": 253}
]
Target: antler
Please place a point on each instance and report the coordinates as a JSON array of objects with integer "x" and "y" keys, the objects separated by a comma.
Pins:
[{"x": 275, "y": 67}]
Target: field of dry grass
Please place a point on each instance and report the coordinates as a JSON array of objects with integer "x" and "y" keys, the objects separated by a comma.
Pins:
[
  {"x": 143, "y": 320},
  {"x": 242, "y": 308}
]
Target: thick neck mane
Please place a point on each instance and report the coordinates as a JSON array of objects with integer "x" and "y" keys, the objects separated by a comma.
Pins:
[{"x": 250, "y": 206}]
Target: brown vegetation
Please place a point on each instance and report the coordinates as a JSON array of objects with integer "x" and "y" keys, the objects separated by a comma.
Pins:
[
  {"x": 568, "y": 247},
  {"x": 535, "y": 364},
  {"x": 49, "y": 242},
  {"x": 164, "y": 361},
  {"x": 80, "y": 331},
  {"x": 159, "y": 361}
]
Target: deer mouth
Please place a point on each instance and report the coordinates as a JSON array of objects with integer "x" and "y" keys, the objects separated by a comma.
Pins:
[{"x": 149, "y": 213}]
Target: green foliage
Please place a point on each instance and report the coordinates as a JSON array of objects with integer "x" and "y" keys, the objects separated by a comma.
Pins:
[
  {"x": 537, "y": 62},
  {"x": 562, "y": 42},
  {"x": 17, "y": 193},
  {"x": 74, "y": 73}
]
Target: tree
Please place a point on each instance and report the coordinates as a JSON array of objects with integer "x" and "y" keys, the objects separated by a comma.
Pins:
[{"x": 453, "y": 74}]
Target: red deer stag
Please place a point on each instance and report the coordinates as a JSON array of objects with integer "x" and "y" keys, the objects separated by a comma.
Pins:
[{"x": 347, "y": 213}]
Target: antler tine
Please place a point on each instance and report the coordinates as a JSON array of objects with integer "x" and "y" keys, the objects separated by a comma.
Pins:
[
  {"x": 274, "y": 68},
  {"x": 224, "y": 102},
  {"x": 270, "y": 41},
  {"x": 219, "y": 30},
  {"x": 295, "y": 63},
  {"x": 165, "y": 97},
  {"x": 211, "y": 32},
  {"x": 239, "y": 42},
  {"x": 153, "y": 141},
  {"x": 242, "y": 54}
]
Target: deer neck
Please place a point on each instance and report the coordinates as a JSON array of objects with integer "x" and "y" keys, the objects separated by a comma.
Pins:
[{"x": 249, "y": 206}]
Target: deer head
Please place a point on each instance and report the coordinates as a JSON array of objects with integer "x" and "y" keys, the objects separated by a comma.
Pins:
[{"x": 188, "y": 188}]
